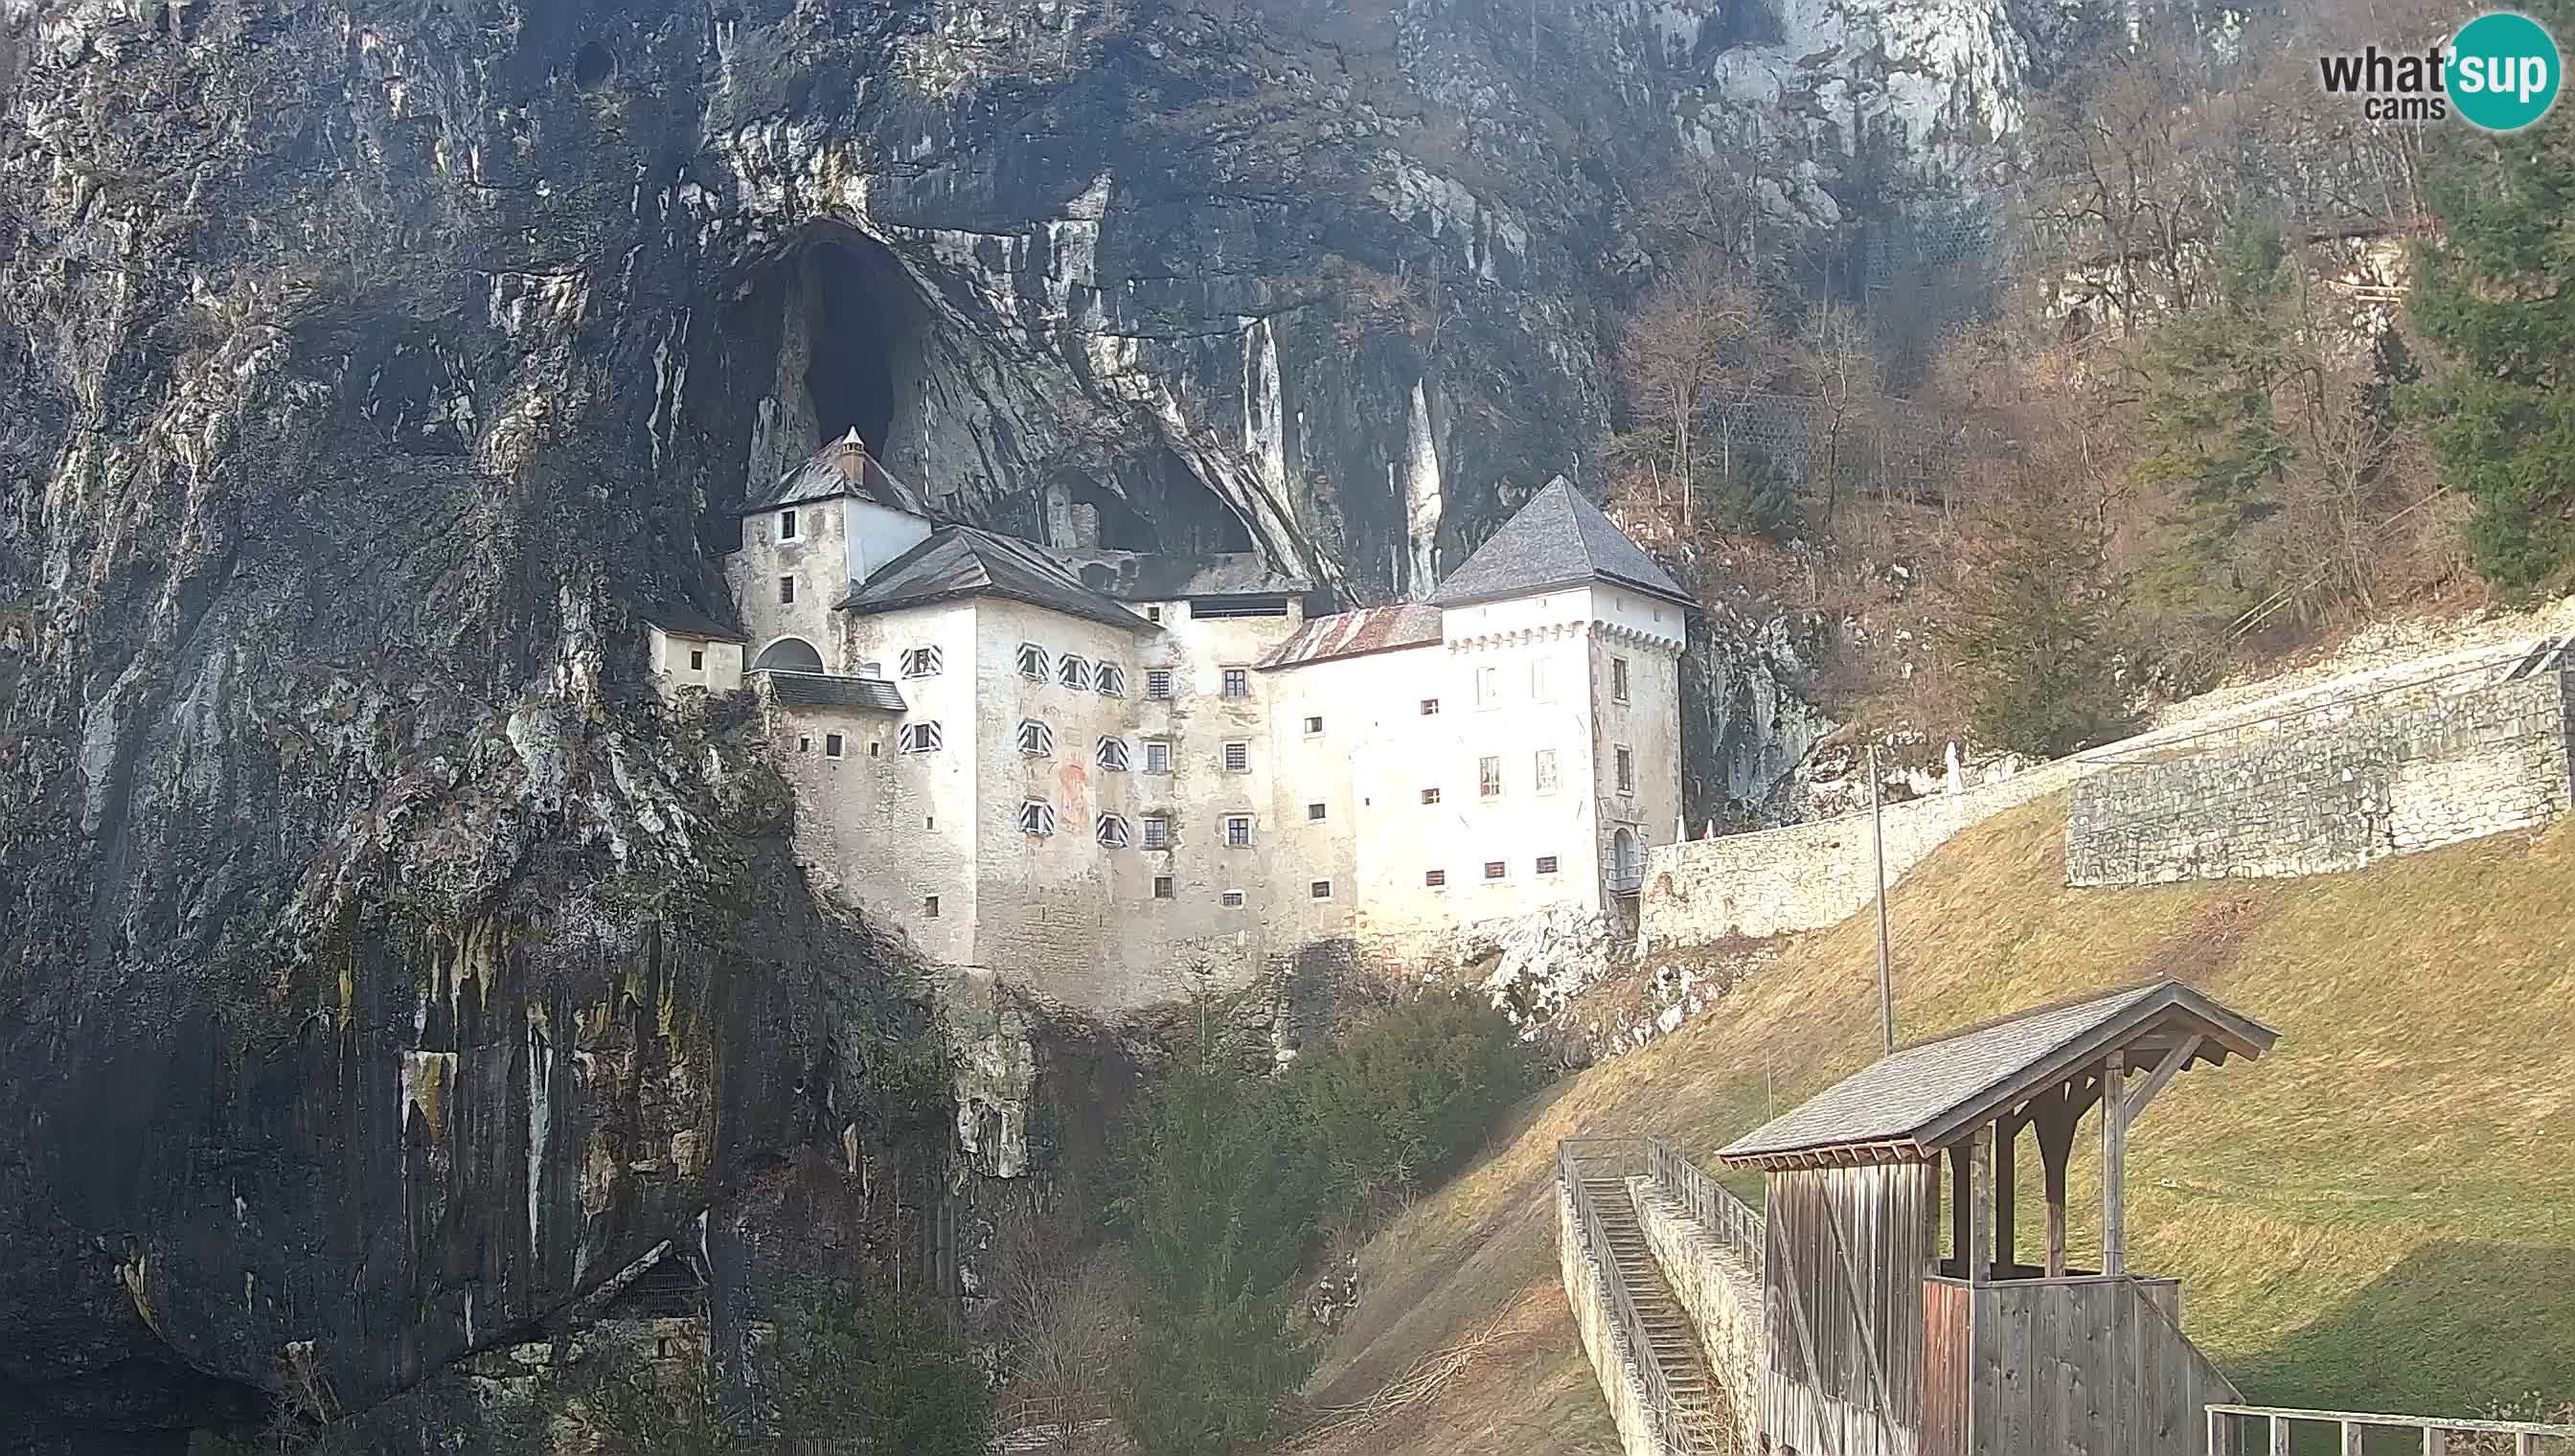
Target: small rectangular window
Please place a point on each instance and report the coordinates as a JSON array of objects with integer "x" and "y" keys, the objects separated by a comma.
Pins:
[
  {"x": 1546, "y": 864},
  {"x": 1036, "y": 739},
  {"x": 1162, "y": 887},
  {"x": 1233, "y": 900},
  {"x": 804, "y": 746},
  {"x": 1494, "y": 868},
  {"x": 1430, "y": 708},
  {"x": 1157, "y": 756},
  {"x": 1545, "y": 771},
  {"x": 1113, "y": 679},
  {"x": 1111, "y": 754},
  {"x": 1314, "y": 812},
  {"x": 1238, "y": 683},
  {"x": 1434, "y": 879},
  {"x": 1158, "y": 831},
  {"x": 1111, "y": 831},
  {"x": 1153, "y": 613},
  {"x": 1488, "y": 686},
  {"x": 1320, "y": 890},
  {"x": 876, "y": 748},
  {"x": 1037, "y": 817},
  {"x": 1237, "y": 758},
  {"x": 1542, "y": 681},
  {"x": 1618, "y": 679},
  {"x": 1627, "y": 771},
  {"x": 786, "y": 526},
  {"x": 787, "y": 591},
  {"x": 1488, "y": 777},
  {"x": 930, "y": 907},
  {"x": 1033, "y": 662},
  {"x": 831, "y": 746},
  {"x": 1157, "y": 681},
  {"x": 1314, "y": 726},
  {"x": 917, "y": 738},
  {"x": 1075, "y": 673},
  {"x": 1431, "y": 795},
  {"x": 697, "y": 659},
  {"x": 1238, "y": 830},
  {"x": 923, "y": 662}
]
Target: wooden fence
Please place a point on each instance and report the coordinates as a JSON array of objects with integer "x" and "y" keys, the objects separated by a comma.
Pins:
[
  {"x": 2234, "y": 1429},
  {"x": 2093, "y": 1364}
]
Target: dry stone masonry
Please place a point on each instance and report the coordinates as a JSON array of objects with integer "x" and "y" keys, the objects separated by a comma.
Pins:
[{"x": 2338, "y": 787}]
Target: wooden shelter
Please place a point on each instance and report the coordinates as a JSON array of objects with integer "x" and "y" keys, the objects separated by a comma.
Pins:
[{"x": 1881, "y": 1346}]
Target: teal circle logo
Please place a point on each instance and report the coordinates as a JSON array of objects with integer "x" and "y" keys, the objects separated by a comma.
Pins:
[{"x": 2503, "y": 71}]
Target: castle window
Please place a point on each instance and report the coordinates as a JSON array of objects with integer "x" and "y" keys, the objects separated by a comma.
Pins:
[
  {"x": 1162, "y": 887},
  {"x": 1237, "y": 758},
  {"x": 1542, "y": 681},
  {"x": 1431, "y": 795},
  {"x": 786, "y": 526},
  {"x": 1233, "y": 900},
  {"x": 1035, "y": 739},
  {"x": 1037, "y": 817},
  {"x": 1158, "y": 831},
  {"x": 1157, "y": 681},
  {"x": 1157, "y": 756},
  {"x": 930, "y": 907},
  {"x": 1496, "y": 868},
  {"x": 1113, "y": 681},
  {"x": 1238, "y": 683},
  {"x": 1314, "y": 726},
  {"x": 1434, "y": 879},
  {"x": 1488, "y": 686},
  {"x": 1546, "y": 770},
  {"x": 918, "y": 738},
  {"x": 1488, "y": 777},
  {"x": 804, "y": 746},
  {"x": 1618, "y": 679},
  {"x": 1546, "y": 864},
  {"x": 1111, "y": 831},
  {"x": 697, "y": 659},
  {"x": 1111, "y": 754},
  {"x": 1238, "y": 830},
  {"x": 1033, "y": 662},
  {"x": 1320, "y": 890},
  {"x": 787, "y": 591},
  {"x": 831, "y": 746},
  {"x": 1075, "y": 673},
  {"x": 1430, "y": 708},
  {"x": 1314, "y": 812},
  {"x": 1627, "y": 771},
  {"x": 923, "y": 662},
  {"x": 1153, "y": 613}
]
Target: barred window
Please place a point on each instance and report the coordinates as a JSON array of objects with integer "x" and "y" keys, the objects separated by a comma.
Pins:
[
  {"x": 1434, "y": 879},
  {"x": 1546, "y": 864},
  {"x": 1033, "y": 662},
  {"x": 1036, "y": 817},
  {"x": 1238, "y": 830},
  {"x": 1035, "y": 739},
  {"x": 1157, "y": 756},
  {"x": 1488, "y": 777},
  {"x": 1238, "y": 683},
  {"x": 918, "y": 738},
  {"x": 1546, "y": 770},
  {"x": 1157, "y": 681},
  {"x": 1237, "y": 758},
  {"x": 1233, "y": 900},
  {"x": 1158, "y": 831},
  {"x": 1111, "y": 754},
  {"x": 1162, "y": 887},
  {"x": 1494, "y": 869}
]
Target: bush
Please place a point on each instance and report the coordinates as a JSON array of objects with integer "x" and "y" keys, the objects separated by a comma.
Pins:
[{"x": 1405, "y": 1099}]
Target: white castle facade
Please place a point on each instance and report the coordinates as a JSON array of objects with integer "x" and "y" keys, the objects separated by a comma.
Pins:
[{"x": 1115, "y": 777}]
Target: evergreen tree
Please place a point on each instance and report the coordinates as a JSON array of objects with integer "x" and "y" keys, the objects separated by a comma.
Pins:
[
  {"x": 2028, "y": 635},
  {"x": 2496, "y": 292}
]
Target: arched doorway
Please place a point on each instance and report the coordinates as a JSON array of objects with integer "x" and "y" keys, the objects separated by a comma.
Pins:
[
  {"x": 789, "y": 655},
  {"x": 1626, "y": 862}
]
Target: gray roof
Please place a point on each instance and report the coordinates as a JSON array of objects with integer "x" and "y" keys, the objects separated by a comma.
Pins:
[
  {"x": 682, "y": 619},
  {"x": 1149, "y": 577},
  {"x": 842, "y": 468},
  {"x": 959, "y": 560},
  {"x": 823, "y": 689},
  {"x": 1357, "y": 633},
  {"x": 1925, "y": 1096},
  {"x": 1560, "y": 539}
]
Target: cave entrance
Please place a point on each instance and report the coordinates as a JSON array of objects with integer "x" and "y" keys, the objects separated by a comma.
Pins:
[
  {"x": 865, "y": 332},
  {"x": 1179, "y": 511}
]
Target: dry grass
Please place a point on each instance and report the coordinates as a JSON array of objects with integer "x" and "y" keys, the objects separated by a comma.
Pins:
[{"x": 2378, "y": 1216}]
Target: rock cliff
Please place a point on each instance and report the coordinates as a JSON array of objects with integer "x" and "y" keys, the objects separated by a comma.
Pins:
[{"x": 377, "y": 969}]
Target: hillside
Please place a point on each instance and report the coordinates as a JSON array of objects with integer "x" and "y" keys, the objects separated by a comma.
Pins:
[{"x": 2378, "y": 1216}]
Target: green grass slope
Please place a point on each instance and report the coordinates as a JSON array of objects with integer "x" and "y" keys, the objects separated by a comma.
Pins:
[{"x": 2378, "y": 1216}]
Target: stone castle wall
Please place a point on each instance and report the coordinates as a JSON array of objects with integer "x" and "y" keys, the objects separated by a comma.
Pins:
[{"x": 2334, "y": 787}]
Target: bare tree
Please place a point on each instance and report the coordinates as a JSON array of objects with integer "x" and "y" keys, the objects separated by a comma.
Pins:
[
  {"x": 1699, "y": 337},
  {"x": 1837, "y": 360}
]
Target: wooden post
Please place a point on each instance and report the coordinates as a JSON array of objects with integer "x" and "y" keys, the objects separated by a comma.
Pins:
[
  {"x": 1980, "y": 1220},
  {"x": 1962, "y": 1195},
  {"x": 2114, "y": 1171},
  {"x": 2055, "y": 1146},
  {"x": 1885, "y": 980},
  {"x": 2007, "y": 1134}
]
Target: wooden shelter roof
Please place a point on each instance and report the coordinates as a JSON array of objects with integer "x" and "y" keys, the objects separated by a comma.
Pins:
[{"x": 1906, "y": 1107}]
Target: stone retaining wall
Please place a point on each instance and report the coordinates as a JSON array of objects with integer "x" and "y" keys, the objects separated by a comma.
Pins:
[
  {"x": 1721, "y": 1296},
  {"x": 2334, "y": 787},
  {"x": 1620, "y": 1383}
]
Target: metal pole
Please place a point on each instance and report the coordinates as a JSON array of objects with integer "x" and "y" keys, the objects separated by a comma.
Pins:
[{"x": 1877, "y": 832}]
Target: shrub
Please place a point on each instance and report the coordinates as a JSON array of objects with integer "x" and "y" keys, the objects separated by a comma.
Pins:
[{"x": 1407, "y": 1096}]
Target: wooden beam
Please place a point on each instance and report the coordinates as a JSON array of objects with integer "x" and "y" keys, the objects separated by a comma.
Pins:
[
  {"x": 1981, "y": 1220},
  {"x": 2174, "y": 1060},
  {"x": 2055, "y": 1148},
  {"x": 1872, "y": 1352},
  {"x": 2114, "y": 1171},
  {"x": 2006, "y": 1138},
  {"x": 1962, "y": 1198}
]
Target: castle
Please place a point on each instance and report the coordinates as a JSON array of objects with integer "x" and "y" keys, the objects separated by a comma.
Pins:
[{"x": 1114, "y": 776}]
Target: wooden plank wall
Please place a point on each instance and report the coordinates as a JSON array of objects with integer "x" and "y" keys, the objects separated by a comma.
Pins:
[
  {"x": 1946, "y": 1370},
  {"x": 1845, "y": 1254},
  {"x": 2088, "y": 1367}
]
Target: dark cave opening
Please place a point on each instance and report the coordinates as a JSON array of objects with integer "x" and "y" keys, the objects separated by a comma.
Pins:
[
  {"x": 593, "y": 66},
  {"x": 865, "y": 321},
  {"x": 1188, "y": 518},
  {"x": 1121, "y": 525}
]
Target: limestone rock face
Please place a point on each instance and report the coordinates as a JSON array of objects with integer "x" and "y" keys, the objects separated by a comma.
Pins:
[{"x": 378, "y": 967}]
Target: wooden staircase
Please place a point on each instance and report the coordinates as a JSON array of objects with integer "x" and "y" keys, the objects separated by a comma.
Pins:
[{"x": 1676, "y": 1341}]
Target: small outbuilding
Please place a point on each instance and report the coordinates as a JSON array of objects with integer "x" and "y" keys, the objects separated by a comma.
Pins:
[{"x": 1880, "y": 1345}]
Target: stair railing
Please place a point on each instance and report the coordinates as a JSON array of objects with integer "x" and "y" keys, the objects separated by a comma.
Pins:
[
  {"x": 1674, "y": 1431},
  {"x": 1705, "y": 1200}
]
